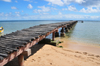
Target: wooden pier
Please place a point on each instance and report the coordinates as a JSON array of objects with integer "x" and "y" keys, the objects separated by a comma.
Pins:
[{"x": 18, "y": 43}]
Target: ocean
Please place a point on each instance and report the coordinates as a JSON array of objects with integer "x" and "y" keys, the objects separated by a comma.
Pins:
[{"x": 87, "y": 32}]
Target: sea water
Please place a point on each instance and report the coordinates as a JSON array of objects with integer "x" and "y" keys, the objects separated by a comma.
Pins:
[{"x": 88, "y": 31}]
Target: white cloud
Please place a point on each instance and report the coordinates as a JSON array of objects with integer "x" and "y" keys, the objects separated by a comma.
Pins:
[
  {"x": 80, "y": 1},
  {"x": 13, "y": 7},
  {"x": 22, "y": 11},
  {"x": 26, "y": 0},
  {"x": 46, "y": 16},
  {"x": 6, "y": 0},
  {"x": 29, "y": 6},
  {"x": 17, "y": 12},
  {"x": 94, "y": 17},
  {"x": 42, "y": 9},
  {"x": 86, "y": 3},
  {"x": 64, "y": 9},
  {"x": 1, "y": 14},
  {"x": 16, "y": 1},
  {"x": 67, "y": 2},
  {"x": 60, "y": 13},
  {"x": 45, "y": 13},
  {"x": 62, "y": 2},
  {"x": 56, "y": 2},
  {"x": 53, "y": 8},
  {"x": 91, "y": 3},
  {"x": 72, "y": 8},
  {"x": 90, "y": 10}
]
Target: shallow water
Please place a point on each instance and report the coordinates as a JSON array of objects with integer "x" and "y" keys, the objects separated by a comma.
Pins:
[{"x": 87, "y": 32}]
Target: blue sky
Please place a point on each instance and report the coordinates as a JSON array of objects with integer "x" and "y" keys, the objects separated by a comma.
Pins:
[{"x": 49, "y": 9}]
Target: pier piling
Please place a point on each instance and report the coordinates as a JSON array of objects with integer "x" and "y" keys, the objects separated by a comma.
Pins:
[
  {"x": 21, "y": 60},
  {"x": 53, "y": 36},
  {"x": 62, "y": 32},
  {"x": 57, "y": 33}
]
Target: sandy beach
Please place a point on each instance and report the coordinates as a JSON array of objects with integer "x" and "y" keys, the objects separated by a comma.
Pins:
[
  {"x": 72, "y": 54},
  {"x": 53, "y": 56}
]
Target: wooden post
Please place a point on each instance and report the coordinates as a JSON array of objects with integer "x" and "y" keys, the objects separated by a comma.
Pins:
[
  {"x": 53, "y": 36},
  {"x": 66, "y": 29},
  {"x": 21, "y": 60},
  {"x": 62, "y": 32},
  {"x": 57, "y": 33},
  {"x": 21, "y": 56}
]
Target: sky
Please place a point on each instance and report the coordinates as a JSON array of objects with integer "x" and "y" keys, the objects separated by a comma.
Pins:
[{"x": 49, "y": 9}]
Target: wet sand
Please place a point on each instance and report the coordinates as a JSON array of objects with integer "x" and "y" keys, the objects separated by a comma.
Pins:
[{"x": 80, "y": 46}]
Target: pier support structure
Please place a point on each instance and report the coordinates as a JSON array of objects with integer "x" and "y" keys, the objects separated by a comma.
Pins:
[
  {"x": 57, "y": 33},
  {"x": 62, "y": 32},
  {"x": 53, "y": 36},
  {"x": 21, "y": 60},
  {"x": 66, "y": 30},
  {"x": 21, "y": 56},
  {"x": 68, "y": 27}
]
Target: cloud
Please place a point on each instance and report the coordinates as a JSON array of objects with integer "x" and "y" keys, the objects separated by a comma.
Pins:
[
  {"x": 16, "y": 1},
  {"x": 90, "y": 10},
  {"x": 53, "y": 8},
  {"x": 6, "y": 0},
  {"x": 91, "y": 3},
  {"x": 29, "y": 6},
  {"x": 1, "y": 14},
  {"x": 85, "y": 3},
  {"x": 80, "y": 1},
  {"x": 22, "y": 11},
  {"x": 72, "y": 8},
  {"x": 17, "y": 12},
  {"x": 45, "y": 16},
  {"x": 64, "y": 9},
  {"x": 42, "y": 9},
  {"x": 67, "y": 2},
  {"x": 64, "y": 2},
  {"x": 13, "y": 7},
  {"x": 26, "y": 0},
  {"x": 60, "y": 13},
  {"x": 55, "y": 2}
]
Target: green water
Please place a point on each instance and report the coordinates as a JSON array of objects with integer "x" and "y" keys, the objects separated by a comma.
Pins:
[{"x": 88, "y": 32}]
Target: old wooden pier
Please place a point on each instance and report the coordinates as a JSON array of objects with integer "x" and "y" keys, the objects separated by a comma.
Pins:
[{"x": 18, "y": 43}]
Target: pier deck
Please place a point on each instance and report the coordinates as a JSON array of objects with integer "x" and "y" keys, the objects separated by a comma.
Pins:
[{"x": 15, "y": 43}]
